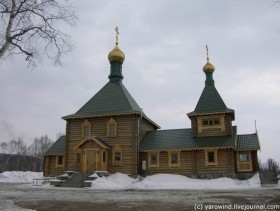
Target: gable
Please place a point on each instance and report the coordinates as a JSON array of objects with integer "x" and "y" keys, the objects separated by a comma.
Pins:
[{"x": 93, "y": 142}]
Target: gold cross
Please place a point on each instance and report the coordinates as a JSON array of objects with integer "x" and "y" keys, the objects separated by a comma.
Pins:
[
  {"x": 117, "y": 35},
  {"x": 207, "y": 52}
]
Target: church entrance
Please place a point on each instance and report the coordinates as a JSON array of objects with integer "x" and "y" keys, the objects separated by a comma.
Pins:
[
  {"x": 93, "y": 155},
  {"x": 92, "y": 161}
]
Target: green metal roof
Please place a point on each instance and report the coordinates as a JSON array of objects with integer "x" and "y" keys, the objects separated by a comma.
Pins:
[
  {"x": 112, "y": 98},
  {"x": 57, "y": 148},
  {"x": 183, "y": 139},
  {"x": 248, "y": 141},
  {"x": 210, "y": 101}
]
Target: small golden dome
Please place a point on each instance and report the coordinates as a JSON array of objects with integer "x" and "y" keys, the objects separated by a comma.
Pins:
[
  {"x": 116, "y": 54},
  {"x": 208, "y": 67}
]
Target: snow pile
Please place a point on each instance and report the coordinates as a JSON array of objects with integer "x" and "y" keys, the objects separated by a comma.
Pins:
[
  {"x": 170, "y": 181},
  {"x": 115, "y": 181},
  {"x": 19, "y": 176},
  {"x": 119, "y": 181}
]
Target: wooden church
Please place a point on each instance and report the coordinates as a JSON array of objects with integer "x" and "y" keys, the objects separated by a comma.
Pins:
[{"x": 112, "y": 133}]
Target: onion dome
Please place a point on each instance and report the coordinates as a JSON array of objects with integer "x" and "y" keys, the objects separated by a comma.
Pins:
[
  {"x": 208, "y": 67},
  {"x": 116, "y": 54}
]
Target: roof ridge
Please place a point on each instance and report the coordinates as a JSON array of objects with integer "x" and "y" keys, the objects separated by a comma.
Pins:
[
  {"x": 129, "y": 96},
  {"x": 107, "y": 84}
]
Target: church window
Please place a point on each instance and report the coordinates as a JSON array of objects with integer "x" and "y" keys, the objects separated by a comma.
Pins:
[
  {"x": 243, "y": 156},
  {"x": 59, "y": 161},
  {"x": 174, "y": 158},
  {"x": 112, "y": 128},
  {"x": 153, "y": 159},
  {"x": 210, "y": 122},
  {"x": 86, "y": 129},
  {"x": 211, "y": 158},
  {"x": 117, "y": 156}
]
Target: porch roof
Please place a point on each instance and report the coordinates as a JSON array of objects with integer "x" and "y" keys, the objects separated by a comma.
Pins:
[
  {"x": 57, "y": 148},
  {"x": 248, "y": 141}
]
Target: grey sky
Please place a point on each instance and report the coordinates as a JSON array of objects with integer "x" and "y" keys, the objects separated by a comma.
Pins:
[{"x": 164, "y": 43}]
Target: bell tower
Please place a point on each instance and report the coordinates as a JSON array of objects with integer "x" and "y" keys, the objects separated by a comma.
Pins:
[{"x": 211, "y": 117}]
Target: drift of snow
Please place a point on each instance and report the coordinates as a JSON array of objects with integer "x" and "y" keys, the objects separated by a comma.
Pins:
[
  {"x": 114, "y": 181},
  {"x": 119, "y": 181},
  {"x": 170, "y": 181},
  {"x": 19, "y": 176}
]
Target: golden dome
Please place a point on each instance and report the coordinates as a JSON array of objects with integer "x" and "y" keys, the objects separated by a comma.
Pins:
[
  {"x": 208, "y": 67},
  {"x": 116, "y": 54}
]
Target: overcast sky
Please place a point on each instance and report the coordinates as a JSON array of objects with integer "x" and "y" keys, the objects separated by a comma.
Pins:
[{"x": 164, "y": 43}]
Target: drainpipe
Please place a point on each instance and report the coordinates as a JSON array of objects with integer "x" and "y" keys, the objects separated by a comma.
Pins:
[{"x": 138, "y": 140}]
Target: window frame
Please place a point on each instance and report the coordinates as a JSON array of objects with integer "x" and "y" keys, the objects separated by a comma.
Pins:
[
  {"x": 247, "y": 156},
  {"x": 215, "y": 162},
  {"x": 170, "y": 158},
  {"x": 85, "y": 124},
  {"x": 111, "y": 122},
  {"x": 150, "y": 164},
  {"x": 117, "y": 149},
  {"x": 58, "y": 164},
  {"x": 209, "y": 120}
]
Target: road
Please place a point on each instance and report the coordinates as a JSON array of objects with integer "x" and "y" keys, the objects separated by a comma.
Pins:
[{"x": 15, "y": 197}]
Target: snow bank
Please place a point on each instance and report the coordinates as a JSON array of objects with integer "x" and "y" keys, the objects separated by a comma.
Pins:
[
  {"x": 115, "y": 181},
  {"x": 119, "y": 181},
  {"x": 170, "y": 181},
  {"x": 19, "y": 176}
]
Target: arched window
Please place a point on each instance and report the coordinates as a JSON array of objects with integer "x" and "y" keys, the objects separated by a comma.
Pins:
[
  {"x": 86, "y": 129},
  {"x": 112, "y": 128}
]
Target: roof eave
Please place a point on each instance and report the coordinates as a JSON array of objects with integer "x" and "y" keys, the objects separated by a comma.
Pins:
[
  {"x": 227, "y": 111},
  {"x": 110, "y": 114}
]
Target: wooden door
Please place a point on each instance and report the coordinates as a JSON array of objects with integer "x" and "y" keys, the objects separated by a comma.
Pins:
[{"x": 91, "y": 161}]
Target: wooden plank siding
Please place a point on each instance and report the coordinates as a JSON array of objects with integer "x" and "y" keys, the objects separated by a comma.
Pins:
[
  {"x": 227, "y": 125},
  {"x": 192, "y": 162},
  {"x": 50, "y": 168},
  {"x": 224, "y": 158},
  {"x": 126, "y": 139},
  {"x": 186, "y": 163},
  {"x": 145, "y": 126},
  {"x": 255, "y": 162}
]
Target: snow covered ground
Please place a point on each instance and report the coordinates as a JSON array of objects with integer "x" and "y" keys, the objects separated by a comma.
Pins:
[
  {"x": 121, "y": 192},
  {"x": 170, "y": 181},
  {"x": 119, "y": 181},
  {"x": 19, "y": 176}
]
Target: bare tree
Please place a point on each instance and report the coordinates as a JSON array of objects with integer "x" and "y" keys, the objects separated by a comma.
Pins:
[
  {"x": 31, "y": 28},
  {"x": 8, "y": 148},
  {"x": 38, "y": 149}
]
